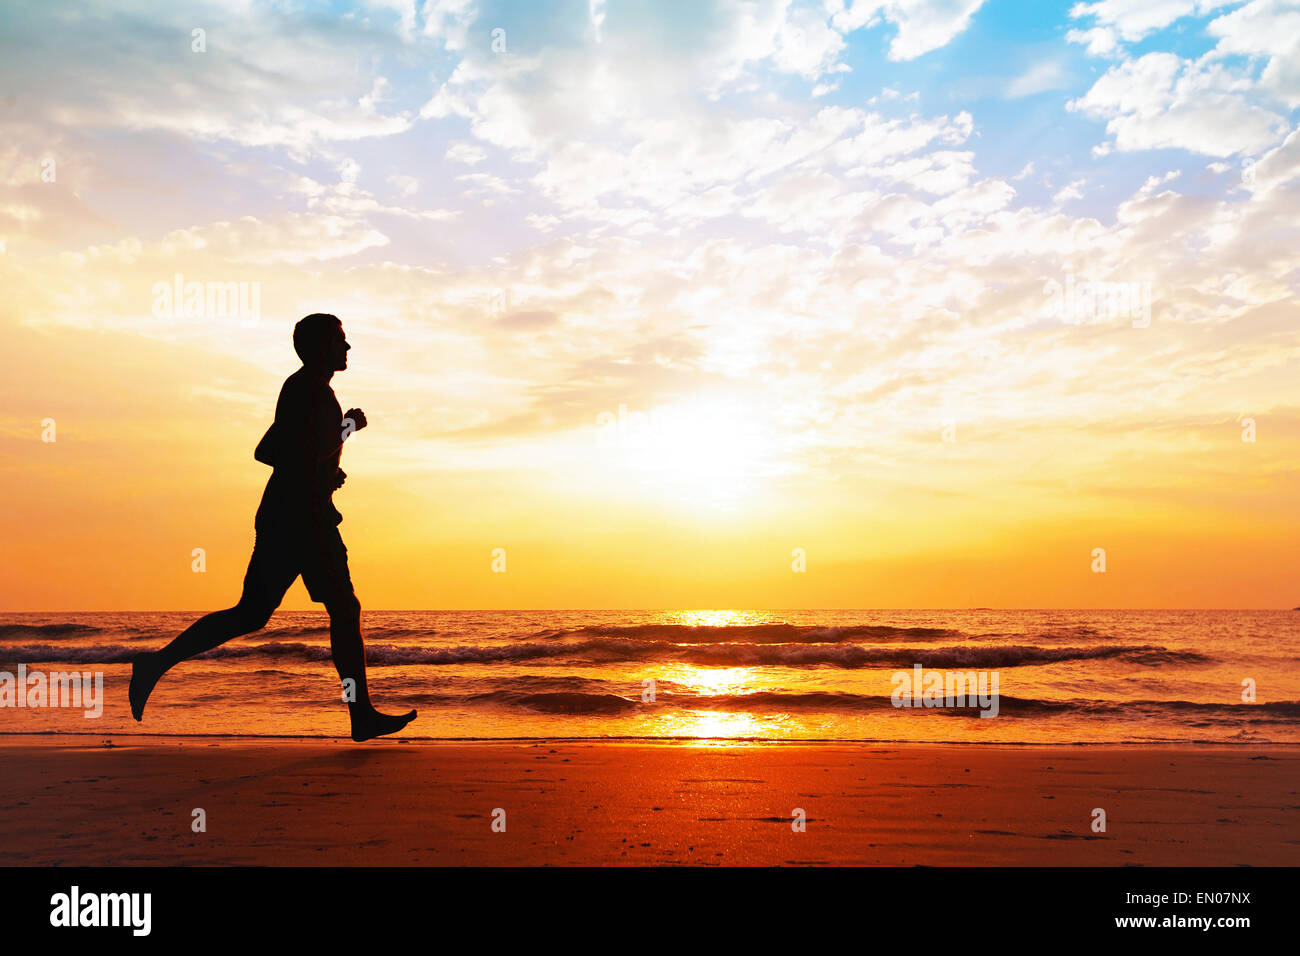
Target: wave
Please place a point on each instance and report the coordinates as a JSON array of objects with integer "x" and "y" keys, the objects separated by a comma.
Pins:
[
  {"x": 605, "y": 650},
  {"x": 774, "y": 702},
  {"x": 561, "y": 702},
  {"x": 371, "y": 633},
  {"x": 757, "y": 633},
  {"x": 771, "y": 633},
  {"x": 147, "y": 632},
  {"x": 67, "y": 629}
]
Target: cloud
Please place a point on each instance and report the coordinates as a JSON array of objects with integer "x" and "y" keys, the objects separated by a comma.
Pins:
[
  {"x": 290, "y": 238},
  {"x": 679, "y": 215},
  {"x": 466, "y": 153},
  {"x": 528, "y": 321},
  {"x": 264, "y": 78},
  {"x": 1265, "y": 28},
  {"x": 1275, "y": 168},
  {"x": 626, "y": 134},
  {"x": 347, "y": 200},
  {"x": 1160, "y": 100},
  {"x": 1100, "y": 41},
  {"x": 1134, "y": 19},
  {"x": 1047, "y": 75},
  {"x": 923, "y": 25},
  {"x": 1231, "y": 100},
  {"x": 1071, "y": 191},
  {"x": 406, "y": 186}
]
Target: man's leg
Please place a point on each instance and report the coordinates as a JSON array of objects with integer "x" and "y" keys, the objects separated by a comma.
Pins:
[
  {"x": 330, "y": 582},
  {"x": 267, "y": 579}
]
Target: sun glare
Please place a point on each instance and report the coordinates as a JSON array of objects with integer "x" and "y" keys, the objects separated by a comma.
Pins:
[
  {"x": 712, "y": 680},
  {"x": 715, "y": 618},
  {"x": 709, "y": 453},
  {"x": 717, "y": 724}
]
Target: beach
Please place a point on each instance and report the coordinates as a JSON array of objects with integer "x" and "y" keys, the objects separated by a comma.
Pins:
[
  {"x": 78, "y": 801},
  {"x": 718, "y": 738}
]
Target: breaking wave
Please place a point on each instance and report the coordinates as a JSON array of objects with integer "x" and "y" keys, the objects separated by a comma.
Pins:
[{"x": 620, "y": 649}]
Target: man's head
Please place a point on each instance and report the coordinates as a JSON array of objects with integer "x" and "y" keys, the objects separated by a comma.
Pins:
[{"x": 319, "y": 341}]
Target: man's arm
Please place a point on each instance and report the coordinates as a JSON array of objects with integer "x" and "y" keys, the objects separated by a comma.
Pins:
[
  {"x": 308, "y": 439},
  {"x": 311, "y": 416},
  {"x": 267, "y": 450},
  {"x": 353, "y": 421}
]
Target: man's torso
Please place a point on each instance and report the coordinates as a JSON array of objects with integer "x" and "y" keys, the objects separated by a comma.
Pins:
[{"x": 308, "y": 424}]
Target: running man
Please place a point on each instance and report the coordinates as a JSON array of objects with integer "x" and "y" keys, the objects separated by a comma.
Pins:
[{"x": 297, "y": 533}]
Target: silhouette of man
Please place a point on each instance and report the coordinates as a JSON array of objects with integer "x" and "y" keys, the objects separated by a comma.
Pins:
[{"x": 297, "y": 532}]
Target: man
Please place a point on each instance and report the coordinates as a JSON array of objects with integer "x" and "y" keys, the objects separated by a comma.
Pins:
[{"x": 297, "y": 533}]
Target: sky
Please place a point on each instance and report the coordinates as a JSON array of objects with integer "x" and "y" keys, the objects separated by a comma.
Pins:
[{"x": 773, "y": 304}]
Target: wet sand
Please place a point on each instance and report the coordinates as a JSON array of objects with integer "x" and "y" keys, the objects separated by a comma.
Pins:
[{"x": 325, "y": 802}]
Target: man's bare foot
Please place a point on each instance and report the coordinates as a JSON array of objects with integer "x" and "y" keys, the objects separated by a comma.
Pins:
[
  {"x": 145, "y": 673},
  {"x": 375, "y": 724}
]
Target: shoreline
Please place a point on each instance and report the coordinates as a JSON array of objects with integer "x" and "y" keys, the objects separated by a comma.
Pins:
[{"x": 46, "y": 735}]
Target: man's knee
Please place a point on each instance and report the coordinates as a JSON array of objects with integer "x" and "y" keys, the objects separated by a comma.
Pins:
[{"x": 253, "y": 614}]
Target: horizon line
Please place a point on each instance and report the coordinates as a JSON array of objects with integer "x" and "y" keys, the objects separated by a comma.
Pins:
[{"x": 641, "y": 610}]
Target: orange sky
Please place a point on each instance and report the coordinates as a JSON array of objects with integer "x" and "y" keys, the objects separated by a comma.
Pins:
[
  {"x": 649, "y": 370},
  {"x": 150, "y": 463}
]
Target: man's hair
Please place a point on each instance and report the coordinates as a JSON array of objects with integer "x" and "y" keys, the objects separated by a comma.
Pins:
[{"x": 310, "y": 332}]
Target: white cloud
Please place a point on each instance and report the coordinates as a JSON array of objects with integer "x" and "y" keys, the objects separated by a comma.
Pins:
[
  {"x": 406, "y": 186},
  {"x": 449, "y": 20},
  {"x": 1276, "y": 167},
  {"x": 478, "y": 184},
  {"x": 286, "y": 238},
  {"x": 1161, "y": 100},
  {"x": 1101, "y": 41},
  {"x": 1073, "y": 190},
  {"x": 626, "y": 133},
  {"x": 1135, "y": 19},
  {"x": 262, "y": 81},
  {"x": 467, "y": 153},
  {"x": 923, "y": 25},
  {"x": 1265, "y": 28},
  {"x": 1047, "y": 75},
  {"x": 807, "y": 44}
]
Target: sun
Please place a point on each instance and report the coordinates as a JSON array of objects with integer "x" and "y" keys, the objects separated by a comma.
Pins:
[{"x": 711, "y": 453}]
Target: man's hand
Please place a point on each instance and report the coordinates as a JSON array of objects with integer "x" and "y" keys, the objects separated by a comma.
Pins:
[{"x": 353, "y": 421}]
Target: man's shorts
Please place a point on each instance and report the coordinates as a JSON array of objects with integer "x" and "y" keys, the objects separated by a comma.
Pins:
[{"x": 319, "y": 555}]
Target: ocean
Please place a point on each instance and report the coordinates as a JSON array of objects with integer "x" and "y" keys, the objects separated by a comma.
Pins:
[{"x": 1061, "y": 676}]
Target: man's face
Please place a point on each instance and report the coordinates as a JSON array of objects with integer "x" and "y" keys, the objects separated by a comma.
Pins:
[{"x": 336, "y": 349}]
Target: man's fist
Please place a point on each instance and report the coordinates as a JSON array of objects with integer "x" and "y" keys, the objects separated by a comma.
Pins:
[{"x": 353, "y": 421}]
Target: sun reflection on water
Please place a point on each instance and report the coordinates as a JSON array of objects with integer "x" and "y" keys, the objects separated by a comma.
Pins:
[
  {"x": 726, "y": 724},
  {"x": 715, "y": 618},
  {"x": 720, "y": 682},
  {"x": 718, "y": 724}
]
